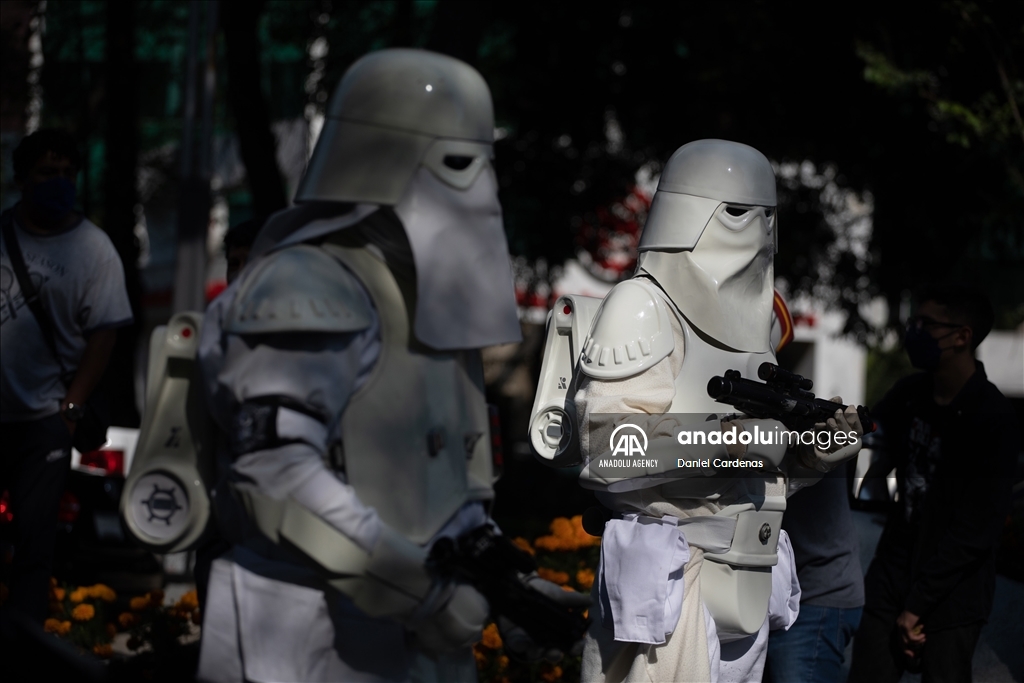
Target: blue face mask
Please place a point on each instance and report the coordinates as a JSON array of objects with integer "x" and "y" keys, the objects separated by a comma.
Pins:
[{"x": 52, "y": 199}]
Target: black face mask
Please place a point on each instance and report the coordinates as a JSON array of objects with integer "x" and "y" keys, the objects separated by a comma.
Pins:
[{"x": 922, "y": 348}]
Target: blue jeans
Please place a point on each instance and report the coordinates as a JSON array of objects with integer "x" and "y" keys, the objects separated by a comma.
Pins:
[{"x": 811, "y": 651}]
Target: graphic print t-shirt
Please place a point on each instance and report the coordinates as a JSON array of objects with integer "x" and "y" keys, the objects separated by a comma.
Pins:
[{"x": 80, "y": 281}]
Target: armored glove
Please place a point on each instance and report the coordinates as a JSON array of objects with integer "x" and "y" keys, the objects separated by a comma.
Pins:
[
  {"x": 518, "y": 643},
  {"x": 457, "y": 625},
  {"x": 844, "y": 435}
]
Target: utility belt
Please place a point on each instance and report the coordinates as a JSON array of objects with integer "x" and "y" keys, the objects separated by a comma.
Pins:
[{"x": 740, "y": 545}]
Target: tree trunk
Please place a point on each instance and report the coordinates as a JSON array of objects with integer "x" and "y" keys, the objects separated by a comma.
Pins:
[
  {"x": 122, "y": 153},
  {"x": 252, "y": 116}
]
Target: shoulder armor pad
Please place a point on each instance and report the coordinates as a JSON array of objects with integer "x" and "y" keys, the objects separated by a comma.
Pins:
[
  {"x": 631, "y": 332},
  {"x": 299, "y": 289}
]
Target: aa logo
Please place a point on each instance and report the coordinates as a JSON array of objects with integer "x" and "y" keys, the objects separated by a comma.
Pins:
[{"x": 628, "y": 442}]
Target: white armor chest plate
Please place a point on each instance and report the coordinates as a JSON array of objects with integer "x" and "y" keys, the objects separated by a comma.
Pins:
[
  {"x": 702, "y": 361},
  {"x": 416, "y": 435}
]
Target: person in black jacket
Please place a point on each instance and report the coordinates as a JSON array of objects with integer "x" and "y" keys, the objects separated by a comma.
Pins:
[{"x": 954, "y": 442}]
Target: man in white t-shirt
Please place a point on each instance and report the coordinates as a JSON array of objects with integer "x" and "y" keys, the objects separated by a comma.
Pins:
[{"x": 78, "y": 276}]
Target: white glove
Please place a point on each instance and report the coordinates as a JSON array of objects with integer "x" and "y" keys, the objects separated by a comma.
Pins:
[
  {"x": 457, "y": 625},
  {"x": 518, "y": 643},
  {"x": 844, "y": 441}
]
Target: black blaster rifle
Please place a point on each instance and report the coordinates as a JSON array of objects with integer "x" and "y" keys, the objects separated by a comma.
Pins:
[
  {"x": 784, "y": 396},
  {"x": 491, "y": 564}
]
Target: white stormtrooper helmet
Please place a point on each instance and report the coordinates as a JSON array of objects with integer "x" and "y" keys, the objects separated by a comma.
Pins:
[
  {"x": 414, "y": 129},
  {"x": 710, "y": 238}
]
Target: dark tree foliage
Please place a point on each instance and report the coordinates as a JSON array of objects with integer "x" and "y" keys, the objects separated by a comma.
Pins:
[{"x": 916, "y": 110}]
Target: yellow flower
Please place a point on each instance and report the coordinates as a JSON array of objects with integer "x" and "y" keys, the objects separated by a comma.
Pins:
[
  {"x": 65, "y": 628},
  {"x": 83, "y": 612},
  {"x": 139, "y": 603},
  {"x": 585, "y": 578},
  {"x": 104, "y": 650},
  {"x": 51, "y": 625},
  {"x": 189, "y": 601},
  {"x": 491, "y": 639},
  {"x": 126, "y": 619},
  {"x": 78, "y": 595},
  {"x": 550, "y": 673},
  {"x": 552, "y": 575},
  {"x": 523, "y": 545}
]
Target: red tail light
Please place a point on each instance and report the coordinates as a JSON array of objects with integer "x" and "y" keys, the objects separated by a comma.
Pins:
[
  {"x": 5, "y": 508},
  {"x": 68, "y": 509},
  {"x": 111, "y": 462}
]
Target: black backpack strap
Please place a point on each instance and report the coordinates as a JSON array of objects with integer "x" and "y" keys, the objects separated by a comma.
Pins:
[{"x": 28, "y": 290}]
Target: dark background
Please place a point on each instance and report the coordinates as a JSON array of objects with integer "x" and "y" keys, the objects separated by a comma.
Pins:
[{"x": 912, "y": 110}]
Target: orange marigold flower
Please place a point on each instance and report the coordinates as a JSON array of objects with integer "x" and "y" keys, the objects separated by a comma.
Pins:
[
  {"x": 65, "y": 628},
  {"x": 552, "y": 575},
  {"x": 550, "y": 543},
  {"x": 523, "y": 545},
  {"x": 585, "y": 578},
  {"x": 479, "y": 656},
  {"x": 561, "y": 527},
  {"x": 502, "y": 662},
  {"x": 567, "y": 535},
  {"x": 102, "y": 592},
  {"x": 126, "y": 619},
  {"x": 491, "y": 639},
  {"x": 580, "y": 535},
  {"x": 551, "y": 673},
  {"x": 51, "y": 625},
  {"x": 188, "y": 601},
  {"x": 83, "y": 612},
  {"x": 58, "y": 593},
  {"x": 104, "y": 650},
  {"x": 78, "y": 595},
  {"x": 139, "y": 603}
]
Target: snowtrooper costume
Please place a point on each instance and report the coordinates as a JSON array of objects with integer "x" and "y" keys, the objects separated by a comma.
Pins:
[
  {"x": 694, "y": 569},
  {"x": 344, "y": 366}
]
